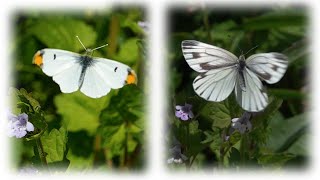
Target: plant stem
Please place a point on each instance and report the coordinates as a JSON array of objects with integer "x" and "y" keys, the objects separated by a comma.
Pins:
[
  {"x": 194, "y": 157},
  {"x": 126, "y": 157},
  {"x": 188, "y": 165},
  {"x": 207, "y": 24},
  {"x": 222, "y": 150},
  {"x": 42, "y": 155},
  {"x": 243, "y": 147}
]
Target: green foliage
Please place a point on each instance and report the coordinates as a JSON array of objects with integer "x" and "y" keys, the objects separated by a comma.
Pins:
[
  {"x": 88, "y": 111},
  {"x": 122, "y": 123},
  {"x": 54, "y": 144},
  {"x": 279, "y": 134},
  {"x": 73, "y": 130},
  {"x": 63, "y": 37}
]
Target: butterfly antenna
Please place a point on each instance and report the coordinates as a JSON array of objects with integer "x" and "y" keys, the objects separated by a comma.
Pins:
[
  {"x": 240, "y": 50},
  {"x": 100, "y": 47},
  {"x": 81, "y": 43},
  {"x": 251, "y": 49}
]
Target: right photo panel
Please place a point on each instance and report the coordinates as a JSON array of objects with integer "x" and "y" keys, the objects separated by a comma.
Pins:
[{"x": 238, "y": 87}]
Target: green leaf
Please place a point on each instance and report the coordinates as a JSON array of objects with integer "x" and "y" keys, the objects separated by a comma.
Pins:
[
  {"x": 260, "y": 121},
  {"x": 276, "y": 19},
  {"x": 80, "y": 112},
  {"x": 214, "y": 138},
  {"x": 218, "y": 113},
  {"x": 234, "y": 137},
  {"x": 297, "y": 50},
  {"x": 25, "y": 100},
  {"x": 275, "y": 160},
  {"x": 289, "y": 134},
  {"x": 189, "y": 135},
  {"x": 122, "y": 123},
  {"x": 234, "y": 157},
  {"x": 129, "y": 51},
  {"x": 286, "y": 94},
  {"x": 54, "y": 144},
  {"x": 60, "y": 32}
]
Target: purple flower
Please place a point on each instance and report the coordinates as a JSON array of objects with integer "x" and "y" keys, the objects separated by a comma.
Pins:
[
  {"x": 19, "y": 125},
  {"x": 184, "y": 112},
  {"x": 241, "y": 124}
]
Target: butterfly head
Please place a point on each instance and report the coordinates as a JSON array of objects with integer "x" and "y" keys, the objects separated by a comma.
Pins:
[
  {"x": 242, "y": 62},
  {"x": 89, "y": 52}
]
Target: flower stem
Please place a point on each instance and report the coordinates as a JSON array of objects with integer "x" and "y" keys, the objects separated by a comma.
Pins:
[
  {"x": 126, "y": 155},
  {"x": 207, "y": 24},
  {"x": 188, "y": 165},
  {"x": 222, "y": 149},
  {"x": 243, "y": 147},
  {"x": 42, "y": 155}
]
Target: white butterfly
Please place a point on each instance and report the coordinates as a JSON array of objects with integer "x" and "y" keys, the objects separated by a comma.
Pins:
[
  {"x": 221, "y": 72},
  {"x": 94, "y": 76}
]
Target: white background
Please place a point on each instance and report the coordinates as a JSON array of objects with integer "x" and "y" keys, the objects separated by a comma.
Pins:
[{"x": 156, "y": 115}]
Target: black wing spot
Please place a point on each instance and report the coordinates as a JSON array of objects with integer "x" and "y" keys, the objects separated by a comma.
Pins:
[
  {"x": 54, "y": 56},
  {"x": 115, "y": 69}
]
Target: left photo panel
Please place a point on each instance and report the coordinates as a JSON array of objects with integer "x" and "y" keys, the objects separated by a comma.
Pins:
[{"x": 77, "y": 100}]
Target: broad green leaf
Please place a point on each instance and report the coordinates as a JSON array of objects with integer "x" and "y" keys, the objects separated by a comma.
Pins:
[
  {"x": 275, "y": 160},
  {"x": 260, "y": 121},
  {"x": 289, "y": 134},
  {"x": 122, "y": 123},
  {"x": 276, "y": 19},
  {"x": 116, "y": 141},
  {"x": 297, "y": 50},
  {"x": 301, "y": 144},
  {"x": 218, "y": 113},
  {"x": 287, "y": 94},
  {"x": 54, "y": 144},
  {"x": 60, "y": 32},
  {"x": 80, "y": 112},
  {"x": 129, "y": 51}
]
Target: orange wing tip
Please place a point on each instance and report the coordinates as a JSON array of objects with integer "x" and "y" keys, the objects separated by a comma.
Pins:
[
  {"x": 132, "y": 77},
  {"x": 37, "y": 59}
]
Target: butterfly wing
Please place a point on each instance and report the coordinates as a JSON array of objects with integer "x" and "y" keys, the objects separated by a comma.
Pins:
[
  {"x": 253, "y": 98},
  {"x": 202, "y": 57},
  {"x": 104, "y": 75},
  {"x": 268, "y": 66},
  {"x": 217, "y": 66},
  {"x": 62, "y": 65}
]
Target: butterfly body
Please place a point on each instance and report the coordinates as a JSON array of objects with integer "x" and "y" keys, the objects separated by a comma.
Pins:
[
  {"x": 241, "y": 66},
  {"x": 221, "y": 72}
]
